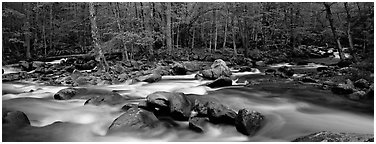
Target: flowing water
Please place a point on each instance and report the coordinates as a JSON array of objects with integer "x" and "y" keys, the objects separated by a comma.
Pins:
[{"x": 290, "y": 112}]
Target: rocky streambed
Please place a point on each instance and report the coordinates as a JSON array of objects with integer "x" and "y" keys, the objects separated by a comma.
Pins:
[{"x": 217, "y": 103}]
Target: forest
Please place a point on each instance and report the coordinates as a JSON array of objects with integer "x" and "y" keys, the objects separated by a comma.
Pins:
[{"x": 188, "y": 71}]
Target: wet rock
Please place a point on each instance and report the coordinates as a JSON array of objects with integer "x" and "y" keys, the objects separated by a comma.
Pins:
[
  {"x": 128, "y": 106},
  {"x": 14, "y": 119},
  {"x": 246, "y": 69},
  {"x": 344, "y": 63},
  {"x": 191, "y": 66},
  {"x": 308, "y": 80},
  {"x": 216, "y": 112},
  {"x": 361, "y": 83},
  {"x": 270, "y": 71},
  {"x": 198, "y": 123},
  {"x": 346, "y": 88},
  {"x": 248, "y": 122},
  {"x": 220, "y": 82},
  {"x": 302, "y": 62},
  {"x": 25, "y": 65},
  {"x": 82, "y": 93},
  {"x": 123, "y": 77},
  {"x": 178, "y": 69},
  {"x": 175, "y": 104},
  {"x": 286, "y": 71},
  {"x": 76, "y": 74},
  {"x": 320, "y": 69},
  {"x": 358, "y": 95},
  {"x": 370, "y": 93},
  {"x": 37, "y": 64},
  {"x": 110, "y": 99},
  {"x": 150, "y": 78},
  {"x": 134, "y": 118},
  {"x": 218, "y": 69},
  {"x": 326, "y": 136},
  {"x": 260, "y": 63}
]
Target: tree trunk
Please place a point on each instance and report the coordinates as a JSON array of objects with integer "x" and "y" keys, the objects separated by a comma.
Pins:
[
  {"x": 51, "y": 28},
  {"x": 233, "y": 36},
  {"x": 168, "y": 31},
  {"x": 349, "y": 27},
  {"x": 177, "y": 37},
  {"x": 27, "y": 30},
  {"x": 94, "y": 33},
  {"x": 225, "y": 36},
  {"x": 216, "y": 31},
  {"x": 330, "y": 19},
  {"x": 117, "y": 17},
  {"x": 193, "y": 39}
]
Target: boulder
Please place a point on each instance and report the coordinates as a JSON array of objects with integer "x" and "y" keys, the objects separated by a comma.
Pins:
[
  {"x": 326, "y": 136},
  {"x": 113, "y": 99},
  {"x": 216, "y": 112},
  {"x": 362, "y": 84},
  {"x": 260, "y": 63},
  {"x": 198, "y": 123},
  {"x": 286, "y": 71},
  {"x": 25, "y": 65},
  {"x": 358, "y": 95},
  {"x": 220, "y": 82},
  {"x": 76, "y": 74},
  {"x": 246, "y": 69},
  {"x": 178, "y": 69},
  {"x": 346, "y": 88},
  {"x": 344, "y": 63},
  {"x": 83, "y": 93},
  {"x": 37, "y": 64},
  {"x": 270, "y": 71},
  {"x": 15, "y": 119},
  {"x": 370, "y": 93},
  {"x": 134, "y": 118},
  {"x": 150, "y": 78},
  {"x": 174, "y": 104},
  {"x": 309, "y": 80},
  {"x": 218, "y": 69},
  {"x": 248, "y": 122},
  {"x": 123, "y": 77},
  {"x": 320, "y": 69}
]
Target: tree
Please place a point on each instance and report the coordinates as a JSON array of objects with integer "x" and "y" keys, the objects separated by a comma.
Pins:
[
  {"x": 168, "y": 29},
  {"x": 94, "y": 33},
  {"x": 336, "y": 38},
  {"x": 27, "y": 30}
]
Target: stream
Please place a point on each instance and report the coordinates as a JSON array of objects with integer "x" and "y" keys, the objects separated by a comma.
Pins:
[{"x": 291, "y": 111}]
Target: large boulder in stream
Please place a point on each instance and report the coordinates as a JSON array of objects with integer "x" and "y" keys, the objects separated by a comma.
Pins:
[
  {"x": 113, "y": 99},
  {"x": 175, "y": 105},
  {"x": 14, "y": 119},
  {"x": 220, "y": 82},
  {"x": 326, "y": 136},
  {"x": 198, "y": 123},
  {"x": 344, "y": 88},
  {"x": 286, "y": 71},
  {"x": 216, "y": 112},
  {"x": 134, "y": 118},
  {"x": 218, "y": 69},
  {"x": 86, "y": 93},
  {"x": 150, "y": 78},
  {"x": 248, "y": 122}
]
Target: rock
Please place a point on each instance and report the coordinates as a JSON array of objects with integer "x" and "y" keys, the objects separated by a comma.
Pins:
[
  {"x": 270, "y": 71},
  {"x": 287, "y": 71},
  {"x": 134, "y": 118},
  {"x": 347, "y": 88},
  {"x": 344, "y": 63},
  {"x": 362, "y": 84},
  {"x": 358, "y": 95},
  {"x": 220, "y": 82},
  {"x": 246, "y": 69},
  {"x": 178, "y": 69},
  {"x": 326, "y": 136},
  {"x": 123, "y": 77},
  {"x": 25, "y": 65},
  {"x": 370, "y": 93},
  {"x": 76, "y": 74},
  {"x": 320, "y": 69},
  {"x": 308, "y": 80},
  {"x": 82, "y": 93},
  {"x": 174, "y": 104},
  {"x": 128, "y": 106},
  {"x": 37, "y": 64},
  {"x": 260, "y": 63},
  {"x": 111, "y": 99},
  {"x": 198, "y": 123},
  {"x": 15, "y": 119},
  {"x": 150, "y": 78},
  {"x": 216, "y": 112},
  {"x": 218, "y": 69},
  {"x": 302, "y": 62},
  {"x": 191, "y": 66},
  {"x": 248, "y": 122}
]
